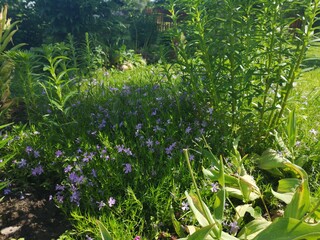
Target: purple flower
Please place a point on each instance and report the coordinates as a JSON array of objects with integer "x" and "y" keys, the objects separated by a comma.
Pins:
[
  {"x": 59, "y": 198},
  {"x": 75, "y": 179},
  {"x": 128, "y": 151},
  {"x": 58, "y": 153},
  {"x": 149, "y": 143},
  {"x": 127, "y": 168},
  {"x": 313, "y": 131},
  {"x": 188, "y": 129},
  {"x": 111, "y": 201},
  {"x": 233, "y": 227},
  {"x": 67, "y": 169},
  {"x": 170, "y": 148},
  {"x": 154, "y": 112},
  {"x": 94, "y": 173},
  {"x": 101, "y": 204},
  {"x": 36, "y": 154},
  {"x": 120, "y": 148},
  {"x": 6, "y": 191},
  {"x": 37, "y": 170},
  {"x": 191, "y": 157},
  {"x": 75, "y": 197},
  {"x": 88, "y": 237},
  {"x": 22, "y": 163},
  {"x": 214, "y": 187},
  {"x": 59, "y": 187},
  {"x": 137, "y": 238},
  {"x": 29, "y": 150},
  {"x": 139, "y": 126},
  {"x": 185, "y": 206}
]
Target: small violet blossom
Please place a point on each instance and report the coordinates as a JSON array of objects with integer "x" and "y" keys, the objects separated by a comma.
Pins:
[
  {"x": 6, "y": 191},
  {"x": 214, "y": 187},
  {"x": 313, "y": 132},
  {"x": 75, "y": 197},
  {"x": 127, "y": 168},
  {"x": 111, "y": 201},
  {"x": 94, "y": 173},
  {"x": 185, "y": 206},
  {"x": 22, "y": 163},
  {"x": 149, "y": 143},
  {"x": 36, "y": 154},
  {"x": 170, "y": 148},
  {"x": 101, "y": 204},
  {"x": 88, "y": 237},
  {"x": 58, "y": 153},
  {"x": 233, "y": 227},
  {"x": 29, "y": 150},
  {"x": 67, "y": 168},
  {"x": 137, "y": 238},
  {"x": 75, "y": 179},
  {"x": 59, "y": 187},
  {"x": 37, "y": 170},
  {"x": 188, "y": 130}
]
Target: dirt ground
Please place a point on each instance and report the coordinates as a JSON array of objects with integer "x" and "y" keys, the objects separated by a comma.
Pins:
[{"x": 30, "y": 216}]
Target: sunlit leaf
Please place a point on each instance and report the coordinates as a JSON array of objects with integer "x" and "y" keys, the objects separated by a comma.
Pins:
[
  {"x": 253, "y": 228},
  {"x": 289, "y": 228},
  {"x": 202, "y": 233},
  {"x": 270, "y": 159},
  {"x": 104, "y": 232}
]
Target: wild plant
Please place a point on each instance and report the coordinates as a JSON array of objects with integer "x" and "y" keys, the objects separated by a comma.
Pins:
[
  {"x": 58, "y": 85},
  {"x": 7, "y": 30},
  {"x": 234, "y": 182},
  {"x": 25, "y": 84},
  {"x": 4, "y": 159},
  {"x": 242, "y": 58}
]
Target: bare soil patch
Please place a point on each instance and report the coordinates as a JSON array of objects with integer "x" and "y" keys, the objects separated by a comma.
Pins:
[{"x": 30, "y": 216}]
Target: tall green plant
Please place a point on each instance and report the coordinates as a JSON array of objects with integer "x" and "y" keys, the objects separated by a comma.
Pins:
[
  {"x": 58, "y": 87},
  {"x": 7, "y": 30},
  {"x": 242, "y": 58}
]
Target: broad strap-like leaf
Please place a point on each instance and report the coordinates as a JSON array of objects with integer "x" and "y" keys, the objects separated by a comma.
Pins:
[
  {"x": 253, "y": 228},
  {"x": 219, "y": 204},
  {"x": 286, "y": 189},
  {"x": 300, "y": 203},
  {"x": 289, "y": 229},
  {"x": 270, "y": 159},
  {"x": 197, "y": 210}
]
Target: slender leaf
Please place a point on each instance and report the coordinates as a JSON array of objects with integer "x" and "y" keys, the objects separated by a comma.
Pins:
[
  {"x": 103, "y": 231},
  {"x": 202, "y": 233}
]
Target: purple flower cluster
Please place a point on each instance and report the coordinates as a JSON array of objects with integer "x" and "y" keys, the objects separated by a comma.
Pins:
[
  {"x": 38, "y": 170},
  {"x": 75, "y": 179},
  {"x": 122, "y": 149},
  {"x": 170, "y": 148}
]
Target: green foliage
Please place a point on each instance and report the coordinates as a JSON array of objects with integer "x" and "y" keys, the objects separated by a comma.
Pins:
[
  {"x": 4, "y": 158},
  {"x": 104, "y": 232},
  {"x": 107, "y": 143},
  {"x": 228, "y": 62},
  {"x": 7, "y": 30},
  {"x": 294, "y": 222}
]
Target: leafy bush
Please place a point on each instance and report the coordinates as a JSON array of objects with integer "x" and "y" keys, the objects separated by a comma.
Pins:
[{"x": 242, "y": 58}]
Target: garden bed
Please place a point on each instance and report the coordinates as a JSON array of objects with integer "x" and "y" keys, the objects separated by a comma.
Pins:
[{"x": 31, "y": 216}]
